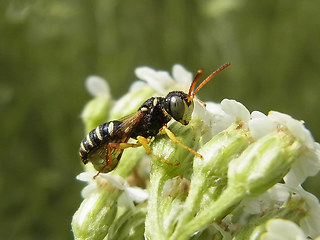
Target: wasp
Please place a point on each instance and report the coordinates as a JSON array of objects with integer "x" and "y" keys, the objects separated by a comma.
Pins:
[{"x": 104, "y": 145}]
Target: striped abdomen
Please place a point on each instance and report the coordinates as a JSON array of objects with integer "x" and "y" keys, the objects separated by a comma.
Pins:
[{"x": 98, "y": 138}]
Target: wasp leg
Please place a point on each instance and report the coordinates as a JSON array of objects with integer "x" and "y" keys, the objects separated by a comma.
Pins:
[
  {"x": 109, "y": 156},
  {"x": 118, "y": 146},
  {"x": 145, "y": 143},
  {"x": 166, "y": 130}
]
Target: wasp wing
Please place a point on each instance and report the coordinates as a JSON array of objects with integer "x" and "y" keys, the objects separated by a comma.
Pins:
[
  {"x": 127, "y": 117},
  {"x": 129, "y": 123},
  {"x": 120, "y": 135}
]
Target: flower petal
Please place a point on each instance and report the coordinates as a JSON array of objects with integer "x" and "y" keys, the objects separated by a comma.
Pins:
[
  {"x": 182, "y": 76},
  {"x": 116, "y": 180},
  {"x": 257, "y": 114},
  {"x": 280, "y": 229},
  {"x": 137, "y": 85},
  {"x": 86, "y": 176},
  {"x": 137, "y": 194},
  {"x": 97, "y": 86},
  {"x": 307, "y": 165},
  {"x": 311, "y": 223},
  {"x": 296, "y": 127},
  {"x": 158, "y": 80},
  {"x": 235, "y": 109},
  {"x": 125, "y": 201},
  {"x": 261, "y": 126},
  {"x": 87, "y": 190},
  {"x": 213, "y": 117}
]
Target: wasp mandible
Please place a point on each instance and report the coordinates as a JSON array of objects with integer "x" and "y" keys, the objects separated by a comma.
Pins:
[{"x": 105, "y": 144}]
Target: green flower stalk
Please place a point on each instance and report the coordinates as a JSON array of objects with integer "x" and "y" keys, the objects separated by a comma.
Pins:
[
  {"x": 246, "y": 186},
  {"x": 161, "y": 173},
  {"x": 209, "y": 175},
  {"x": 270, "y": 156},
  {"x": 130, "y": 225}
]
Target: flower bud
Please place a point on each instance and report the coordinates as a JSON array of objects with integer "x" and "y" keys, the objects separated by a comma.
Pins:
[
  {"x": 264, "y": 162},
  {"x": 180, "y": 160},
  {"x": 130, "y": 225},
  {"x": 96, "y": 214}
]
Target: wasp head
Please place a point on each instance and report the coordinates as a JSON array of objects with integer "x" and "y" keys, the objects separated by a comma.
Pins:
[{"x": 179, "y": 106}]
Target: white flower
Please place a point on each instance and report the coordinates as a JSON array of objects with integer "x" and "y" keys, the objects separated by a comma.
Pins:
[
  {"x": 272, "y": 198},
  {"x": 235, "y": 109},
  {"x": 280, "y": 229},
  {"x": 218, "y": 117},
  {"x": 279, "y": 194},
  {"x": 136, "y": 85},
  {"x": 127, "y": 198},
  {"x": 296, "y": 127},
  {"x": 260, "y": 125},
  {"x": 91, "y": 187},
  {"x": 307, "y": 165},
  {"x": 162, "y": 82},
  {"x": 97, "y": 86},
  {"x": 212, "y": 116},
  {"x": 311, "y": 222},
  {"x": 182, "y": 76}
]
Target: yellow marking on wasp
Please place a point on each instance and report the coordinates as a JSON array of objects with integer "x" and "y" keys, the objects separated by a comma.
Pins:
[
  {"x": 144, "y": 109},
  {"x": 166, "y": 113},
  {"x": 155, "y": 102},
  {"x": 98, "y": 133},
  {"x": 110, "y": 128},
  {"x": 83, "y": 148},
  {"x": 89, "y": 140}
]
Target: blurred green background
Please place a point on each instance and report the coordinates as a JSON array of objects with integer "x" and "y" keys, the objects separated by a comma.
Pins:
[{"x": 48, "y": 48}]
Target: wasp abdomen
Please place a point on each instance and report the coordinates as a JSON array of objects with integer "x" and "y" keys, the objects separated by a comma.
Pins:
[{"x": 97, "y": 138}]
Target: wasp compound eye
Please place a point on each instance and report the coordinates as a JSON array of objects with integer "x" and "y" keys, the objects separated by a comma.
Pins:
[{"x": 177, "y": 107}]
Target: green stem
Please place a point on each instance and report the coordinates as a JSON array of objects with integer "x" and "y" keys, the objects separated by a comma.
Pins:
[
  {"x": 153, "y": 226},
  {"x": 219, "y": 209}
]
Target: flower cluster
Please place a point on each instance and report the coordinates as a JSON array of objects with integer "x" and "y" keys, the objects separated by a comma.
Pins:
[{"x": 246, "y": 186}]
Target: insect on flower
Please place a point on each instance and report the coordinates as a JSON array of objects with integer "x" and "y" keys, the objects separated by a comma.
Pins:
[{"x": 104, "y": 145}]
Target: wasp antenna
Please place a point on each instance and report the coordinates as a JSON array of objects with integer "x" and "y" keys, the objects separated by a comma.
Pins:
[
  {"x": 201, "y": 102},
  {"x": 210, "y": 77},
  {"x": 193, "y": 84}
]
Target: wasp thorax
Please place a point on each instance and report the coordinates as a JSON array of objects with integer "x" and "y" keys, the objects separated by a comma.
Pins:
[{"x": 178, "y": 106}]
